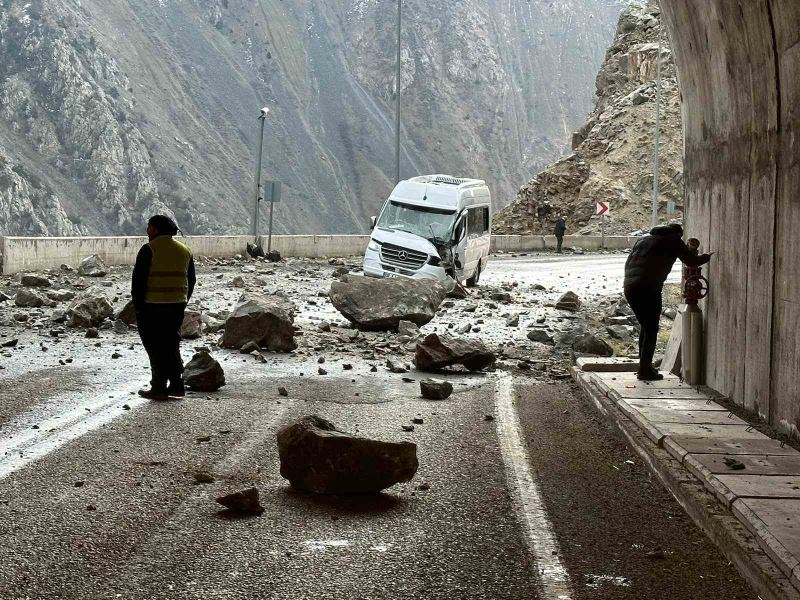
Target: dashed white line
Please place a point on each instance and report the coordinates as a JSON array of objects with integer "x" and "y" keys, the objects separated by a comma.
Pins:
[{"x": 542, "y": 542}]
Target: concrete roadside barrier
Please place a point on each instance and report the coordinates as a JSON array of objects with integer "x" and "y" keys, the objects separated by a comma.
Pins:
[{"x": 37, "y": 253}]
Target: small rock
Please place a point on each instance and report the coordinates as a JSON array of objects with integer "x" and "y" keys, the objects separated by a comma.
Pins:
[
  {"x": 504, "y": 297},
  {"x": 192, "y": 325},
  {"x": 408, "y": 328},
  {"x": 244, "y": 502},
  {"x": 435, "y": 389},
  {"x": 282, "y": 391},
  {"x": 92, "y": 266},
  {"x": 436, "y": 352},
  {"x": 33, "y": 280},
  {"x": 28, "y": 298},
  {"x": 92, "y": 332},
  {"x": 249, "y": 347},
  {"x": 393, "y": 368},
  {"x": 569, "y": 301},
  {"x": 89, "y": 310},
  {"x": 540, "y": 336},
  {"x": 128, "y": 314},
  {"x": 733, "y": 463},
  {"x": 591, "y": 344},
  {"x": 203, "y": 477},
  {"x": 203, "y": 373}
]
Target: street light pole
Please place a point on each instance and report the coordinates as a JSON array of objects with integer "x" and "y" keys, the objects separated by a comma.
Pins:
[
  {"x": 397, "y": 95},
  {"x": 656, "y": 174},
  {"x": 257, "y": 203}
]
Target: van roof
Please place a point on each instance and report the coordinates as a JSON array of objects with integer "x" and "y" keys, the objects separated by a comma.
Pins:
[
  {"x": 440, "y": 191},
  {"x": 449, "y": 180}
]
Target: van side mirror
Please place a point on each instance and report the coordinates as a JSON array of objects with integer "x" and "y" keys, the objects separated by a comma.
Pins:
[{"x": 372, "y": 222}]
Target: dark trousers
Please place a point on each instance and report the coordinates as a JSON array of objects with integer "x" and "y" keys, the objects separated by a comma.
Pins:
[
  {"x": 559, "y": 241},
  {"x": 646, "y": 305},
  {"x": 159, "y": 327}
]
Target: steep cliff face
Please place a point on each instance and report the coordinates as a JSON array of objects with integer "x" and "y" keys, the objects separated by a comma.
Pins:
[
  {"x": 612, "y": 158},
  {"x": 111, "y": 110}
]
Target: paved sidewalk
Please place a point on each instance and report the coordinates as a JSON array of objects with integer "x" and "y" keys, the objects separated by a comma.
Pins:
[{"x": 755, "y": 477}]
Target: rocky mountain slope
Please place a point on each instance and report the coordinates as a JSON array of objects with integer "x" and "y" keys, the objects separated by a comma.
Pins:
[
  {"x": 114, "y": 109},
  {"x": 612, "y": 158}
]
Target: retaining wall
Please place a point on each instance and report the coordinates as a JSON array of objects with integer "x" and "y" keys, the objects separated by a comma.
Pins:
[
  {"x": 739, "y": 70},
  {"x": 36, "y": 254},
  {"x": 527, "y": 243}
]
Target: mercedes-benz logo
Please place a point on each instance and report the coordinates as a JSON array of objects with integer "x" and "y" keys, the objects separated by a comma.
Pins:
[{"x": 402, "y": 255}]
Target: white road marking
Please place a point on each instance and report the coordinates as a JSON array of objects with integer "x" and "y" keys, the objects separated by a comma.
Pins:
[
  {"x": 27, "y": 445},
  {"x": 542, "y": 542}
]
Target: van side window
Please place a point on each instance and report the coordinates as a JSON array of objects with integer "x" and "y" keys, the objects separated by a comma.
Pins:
[{"x": 477, "y": 221}]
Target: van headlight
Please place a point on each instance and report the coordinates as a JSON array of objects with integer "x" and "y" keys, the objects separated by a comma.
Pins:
[
  {"x": 434, "y": 261},
  {"x": 373, "y": 245}
]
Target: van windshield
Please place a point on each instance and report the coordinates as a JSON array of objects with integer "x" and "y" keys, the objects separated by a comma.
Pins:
[{"x": 422, "y": 221}]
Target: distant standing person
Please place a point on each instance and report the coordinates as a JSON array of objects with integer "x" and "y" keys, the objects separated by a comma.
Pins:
[
  {"x": 162, "y": 285},
  {"x": 646, "y": 270},
  {"x": 561, "y": 227}
]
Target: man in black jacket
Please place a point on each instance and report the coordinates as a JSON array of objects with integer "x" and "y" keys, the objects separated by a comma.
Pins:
[
  {"x": 561, "y": 227},
  {"x": 162, "y": 284},
  {"x": 646, "y": 270}
]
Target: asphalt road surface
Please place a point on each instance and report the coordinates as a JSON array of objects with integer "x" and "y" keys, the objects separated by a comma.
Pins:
[{"x": 523, "y": 492}]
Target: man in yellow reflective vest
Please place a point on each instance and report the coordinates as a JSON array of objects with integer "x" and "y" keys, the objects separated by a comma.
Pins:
[{"x": 163, "y": 282}]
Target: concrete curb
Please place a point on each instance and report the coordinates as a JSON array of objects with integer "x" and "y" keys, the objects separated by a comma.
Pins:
[{"x": 761, "y": 559}]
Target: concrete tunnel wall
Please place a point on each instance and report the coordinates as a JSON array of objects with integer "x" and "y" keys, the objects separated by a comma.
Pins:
[{"x": 738, "y": 66}]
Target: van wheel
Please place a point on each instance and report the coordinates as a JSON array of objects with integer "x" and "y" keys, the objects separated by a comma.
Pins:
[{"x": 473, "y": 281}]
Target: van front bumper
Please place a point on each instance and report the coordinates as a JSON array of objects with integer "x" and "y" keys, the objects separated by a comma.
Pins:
[{"x": 374, "y": 268}]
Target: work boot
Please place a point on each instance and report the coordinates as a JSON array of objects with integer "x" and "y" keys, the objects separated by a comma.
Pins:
[
  {"x": 650, "y": 374},
  {"x": 154, "y": 394},
  {"x": 176, "y": 389}
]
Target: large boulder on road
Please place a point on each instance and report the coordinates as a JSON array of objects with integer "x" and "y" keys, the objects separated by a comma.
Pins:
[
  {"x": 93, "y": 266},
  {"x": 380, "y": 304},
  {"x": 265, "y": 320},
  {"x": 89, "y": 309},
  {"x": 436, "y": 352},
  {"x": 317, "y": 457},
  {"x": 203, "y": 373}
]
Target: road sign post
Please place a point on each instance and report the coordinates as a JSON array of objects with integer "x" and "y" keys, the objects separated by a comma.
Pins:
[
  {"x": 602, "y": 210},
  {"x": 272, "y": 194}
]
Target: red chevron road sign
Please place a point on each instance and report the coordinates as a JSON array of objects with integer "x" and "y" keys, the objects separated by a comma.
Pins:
[{"x": 602, "y": 208}]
